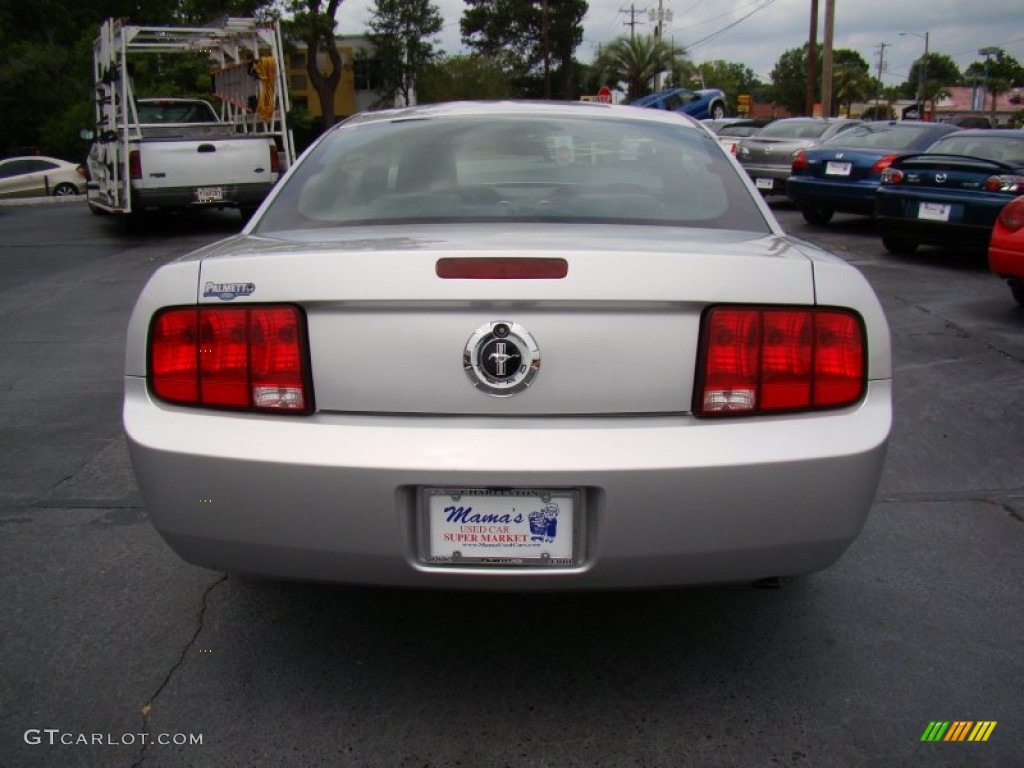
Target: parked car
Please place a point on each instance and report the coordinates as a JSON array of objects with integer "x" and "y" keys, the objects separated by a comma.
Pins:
[
  {"x": 1006, "y": 247},
  {"x": 731, "y": 129},
  {"x": 768, "y": 155},
  {"x": 950, "y": 195},
  {"x": 968, "y": 121},
  {"x": 434, "y": 359},
  {"x": 843, "y": 172},
  {"x": 706, "y": 102},
  {"x": 37, "y": 176}
]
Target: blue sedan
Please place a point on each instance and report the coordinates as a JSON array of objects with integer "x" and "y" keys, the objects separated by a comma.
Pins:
[
  {"x": 842, "y": 173},
  {"x": 702, "y": 104},
  {"x": 950, "y": 195}
]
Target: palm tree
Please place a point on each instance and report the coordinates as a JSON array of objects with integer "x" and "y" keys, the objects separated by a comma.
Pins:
[
  {"x": 635, "y": 62},
  {"x": 850, "y": 84}
]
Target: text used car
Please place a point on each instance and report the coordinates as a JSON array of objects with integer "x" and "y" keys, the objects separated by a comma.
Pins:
[{"x": 510, "y": 346}]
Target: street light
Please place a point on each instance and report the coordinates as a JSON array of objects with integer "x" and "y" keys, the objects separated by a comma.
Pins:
[{"x": 921, "y": 72}]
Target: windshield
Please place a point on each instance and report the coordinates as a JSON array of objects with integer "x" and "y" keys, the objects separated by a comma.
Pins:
[
  {"x": 175, "y": 112},
  {"x": 515, "y": 168},
  {"x": 1008, "y": 149},
  {"x": 878, "y": 137},
  {"x": 802, "y": 129}
]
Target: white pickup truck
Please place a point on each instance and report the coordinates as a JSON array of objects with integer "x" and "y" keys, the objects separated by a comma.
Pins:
[{"x": 179, "y": 155}]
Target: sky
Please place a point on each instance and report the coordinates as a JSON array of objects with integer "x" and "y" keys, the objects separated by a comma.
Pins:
[{"x": 756, "y": 33}]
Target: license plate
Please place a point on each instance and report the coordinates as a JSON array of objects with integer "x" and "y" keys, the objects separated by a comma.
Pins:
[
  {"x": 500, "y": 527},
  {"x": 833, "y": 168},
  {"x": 209, "y": 194},
  {"x": 934, "y": 211},
  {"x": 765, "y": 183}
]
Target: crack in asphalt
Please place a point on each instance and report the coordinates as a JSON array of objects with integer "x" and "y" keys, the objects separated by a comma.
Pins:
[
  {"x": 960, "y": 331},
  {"x": 148, "y": 708}
]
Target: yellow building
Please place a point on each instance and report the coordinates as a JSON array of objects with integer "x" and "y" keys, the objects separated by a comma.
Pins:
[{"x": 356, "y": 90}]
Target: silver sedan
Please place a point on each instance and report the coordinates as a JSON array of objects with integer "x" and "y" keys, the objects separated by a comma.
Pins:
[{"x": 510, "y": 346}]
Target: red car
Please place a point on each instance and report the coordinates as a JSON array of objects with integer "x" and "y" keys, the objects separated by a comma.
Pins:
[{"x": 1006, "y": 247}]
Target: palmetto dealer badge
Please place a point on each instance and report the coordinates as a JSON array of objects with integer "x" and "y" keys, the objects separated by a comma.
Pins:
[{"x": 501, "y": 358}]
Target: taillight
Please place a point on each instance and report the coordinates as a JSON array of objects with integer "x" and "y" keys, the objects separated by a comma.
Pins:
[
  {"x": 275, "y": 159},
  {"x": 1012, "y": 215},
  {"x": 252, "y": 357},
  {"x": 892, "y": 176},
  {"x": 882, "y": 163},
  {"x": 1004, "y": 183},
  {"x": 135, "y": 164},
  {"x": 501, "y": 268},
  {"x": 757, "y": 360},
  {"x": 799, "y": 161}
]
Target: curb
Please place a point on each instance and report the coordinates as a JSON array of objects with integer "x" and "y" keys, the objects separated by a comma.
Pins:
[{"x": 17, "y": 201}]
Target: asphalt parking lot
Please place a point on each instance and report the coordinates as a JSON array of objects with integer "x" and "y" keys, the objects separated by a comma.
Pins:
[{"x": 113, "y": 652}]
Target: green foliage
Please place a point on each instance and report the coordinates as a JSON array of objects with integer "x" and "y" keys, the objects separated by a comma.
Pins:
[
  {"x": 313, "y": 23},
  {"x": 46, "y": 64},
  {"x": 456, "y": 78},
  {"x": 512, "y": 33},
  {"x": 635, "y": 62},
  {"x": 728, "y": 76},
  {"x": 850, "y": 72},
  {"x": 398, "y": 31}
]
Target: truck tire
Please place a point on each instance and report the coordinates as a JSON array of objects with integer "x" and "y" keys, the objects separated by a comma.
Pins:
[{"x": 900, "y": 246}]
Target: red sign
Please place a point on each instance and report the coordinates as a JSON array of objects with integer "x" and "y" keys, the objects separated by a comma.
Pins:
[{"x": 605, "y": 95}]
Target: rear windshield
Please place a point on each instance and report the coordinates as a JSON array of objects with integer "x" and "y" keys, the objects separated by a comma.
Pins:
[
  {"x": 175, "y": 112},
  {"x": 1008, "y": 149},
  {"x": 795, "y": 130},
  {"x": 879, "y": 136},
  {"x": 515, "y": 168}
]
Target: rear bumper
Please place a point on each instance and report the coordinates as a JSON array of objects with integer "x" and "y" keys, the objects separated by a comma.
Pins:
[
  {"x": 240, "y": 195},
  {"x": 848, "y": 197},
  {"x": 1006, "y": 262},
  {"x": 666, "y": 500}
]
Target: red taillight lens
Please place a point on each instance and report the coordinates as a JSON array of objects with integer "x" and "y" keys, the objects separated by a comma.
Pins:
[
  {"x": 892, "y": 176},
  {"x": 1004, "y": 183},
  {"x": 1012, "y": 215},
  {"x": 882, "y": 163},
  {"x": 135, "y": 164},
  {"x": 768, "y": 360},
  {"x": 799, "y": 161},
  {"x": 275, "y": 159},
  {"x": 236, "y": 357},
  {"x": 501, "y": 268}
]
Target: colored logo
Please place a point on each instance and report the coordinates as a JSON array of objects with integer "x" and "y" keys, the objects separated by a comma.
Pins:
[
  {"x": 501, "y": 358},
  {"x": 958, "y": 730},
  {"x": 227, "y": 291}
]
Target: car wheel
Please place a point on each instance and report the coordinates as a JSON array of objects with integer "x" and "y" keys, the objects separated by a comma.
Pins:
[
  {"x": 717, "y": 110},
  {"x": 898, "y": 245},
  {"x": 65, "y": 190},
  {"x": 1018, "y": 293},
  {"x": 816, "y": 214}
]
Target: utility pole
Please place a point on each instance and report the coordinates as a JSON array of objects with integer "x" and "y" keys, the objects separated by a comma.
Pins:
[
  {"x": 812, "y": 58},
  {"x": 547, "y": 49},
  {"x": 881, "y": 65},
  {"x": 632, "y": 21},
  {"x": 826, "y": 59}
]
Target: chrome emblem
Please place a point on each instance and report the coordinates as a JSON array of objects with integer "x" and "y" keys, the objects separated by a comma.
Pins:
[
  {"x": 501, "y": 358},
  {"x": 940, "y": 178},
  {"x": 839, "y": 155}
]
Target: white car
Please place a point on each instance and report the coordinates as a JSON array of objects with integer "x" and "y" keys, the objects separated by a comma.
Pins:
[
  {"x": 510, "y": 346},
  {"x": 37, "y": 176}
]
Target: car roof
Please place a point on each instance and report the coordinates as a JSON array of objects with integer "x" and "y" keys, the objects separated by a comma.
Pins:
[{"x": 595, "y": 110}]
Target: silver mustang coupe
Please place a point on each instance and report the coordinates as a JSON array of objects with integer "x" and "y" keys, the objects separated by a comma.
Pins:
[{"x": 510, "y": 346}]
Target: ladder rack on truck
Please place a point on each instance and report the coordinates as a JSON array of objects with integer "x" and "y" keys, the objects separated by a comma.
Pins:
[{"x": 248, "y": 74}]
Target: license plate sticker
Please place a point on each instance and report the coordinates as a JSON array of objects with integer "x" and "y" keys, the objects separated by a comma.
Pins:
[
  {"x": 834, "y": 168},
  {"x": 209, "y": 194},
  {"x": 934, "y": 211},
  {"x": 764, "y": 183},
  {"x": 506, "y": 527}
]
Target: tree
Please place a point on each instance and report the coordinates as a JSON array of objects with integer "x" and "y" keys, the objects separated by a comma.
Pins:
[
  {"x": 998, "y": 73},
  {"x": 730, "y": 77},
  {"x": 313, "y": 24},
  {"x": 851, "y": 84},
  {"x": 525, "y": 36},
  {"x": 789, "y": 76},
  {"x": 398, "y": 29},
  {"x": 634, "y": 62},
  {"x": 453, "y": 78}
]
